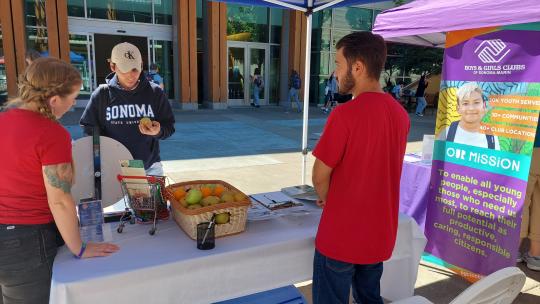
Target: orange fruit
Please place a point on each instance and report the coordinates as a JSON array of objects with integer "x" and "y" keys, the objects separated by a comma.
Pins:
[
  {"x": 206, "y": 191},
  {"x": 179, "y": 193},
  {"x": 218, "y": 190}
]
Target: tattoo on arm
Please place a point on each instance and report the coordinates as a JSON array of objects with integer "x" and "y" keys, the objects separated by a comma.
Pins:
[{"x": 60, "y": 176}]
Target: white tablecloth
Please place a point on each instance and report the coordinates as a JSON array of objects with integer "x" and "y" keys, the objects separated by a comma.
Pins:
[{"x": 168, "y": 268}]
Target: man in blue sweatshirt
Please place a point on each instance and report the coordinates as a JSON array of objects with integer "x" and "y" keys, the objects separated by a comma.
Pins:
[{"x": 118, "y": 106}]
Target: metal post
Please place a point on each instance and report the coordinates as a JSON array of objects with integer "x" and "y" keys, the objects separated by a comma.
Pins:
[{"x": 309, "y": 15}]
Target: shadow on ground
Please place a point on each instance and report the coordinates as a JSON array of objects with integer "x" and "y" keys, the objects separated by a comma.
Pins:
[{"x": 242, "y": 131}]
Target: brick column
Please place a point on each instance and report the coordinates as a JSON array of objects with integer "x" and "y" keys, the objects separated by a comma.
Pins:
[
  {"x": 186, "y": 31},
  {"x": 14, "y": 43},
  {"x": 216, "y": 55},
  {"x": 297, "y": 47}
]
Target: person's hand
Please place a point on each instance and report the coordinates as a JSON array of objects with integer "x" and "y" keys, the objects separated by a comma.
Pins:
[
  {"x": 99, "y": 250},
  {"x": 151, "y": 130},
  {"x": 321, "y": 203}
]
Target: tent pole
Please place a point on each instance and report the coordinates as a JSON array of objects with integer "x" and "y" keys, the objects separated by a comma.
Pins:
[{"x": 309, "y": 15}]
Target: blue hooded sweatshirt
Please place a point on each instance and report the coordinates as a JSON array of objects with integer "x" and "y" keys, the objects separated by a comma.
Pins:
[{"x": 117, "y": 112}]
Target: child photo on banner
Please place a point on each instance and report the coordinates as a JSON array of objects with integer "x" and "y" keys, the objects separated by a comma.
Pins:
[{"x": 489, "y": 103}]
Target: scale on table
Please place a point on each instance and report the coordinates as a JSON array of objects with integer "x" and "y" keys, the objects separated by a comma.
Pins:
[{"x": 87, "y": 175}]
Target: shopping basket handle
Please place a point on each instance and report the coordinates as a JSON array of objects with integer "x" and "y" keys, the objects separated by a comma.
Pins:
[{"x": 150, "y": 178}]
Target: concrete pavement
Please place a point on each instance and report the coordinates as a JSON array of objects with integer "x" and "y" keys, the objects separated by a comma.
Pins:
[{"x": 258, "y": 150}]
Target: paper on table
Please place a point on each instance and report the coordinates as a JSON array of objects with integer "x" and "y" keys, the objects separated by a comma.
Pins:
[
  {"x": 90, "y": 220},
  {"x": 274, "y": 204},
  {"x": 134, "y": 186},
  {"x": 303, "y": 192},
  {"x": 258, "y": 212},
  {"x": 281, "y": 203}
]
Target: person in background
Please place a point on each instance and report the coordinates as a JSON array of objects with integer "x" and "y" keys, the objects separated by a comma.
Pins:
[
  {"x": 421, "y": 102},
  {"x": 35, "y": 184},
  {"x": 258, "y": 84},
  {"x": 153, "y": 76},
  {"x": 31, "y": 55},
  {"x": 331, "y": 90},
  {"x": 397, "y": 90},
  {"x": 295, "y": 83},
  {"x": 361, "y": 150},
  {"x": 117, "y": 107}
]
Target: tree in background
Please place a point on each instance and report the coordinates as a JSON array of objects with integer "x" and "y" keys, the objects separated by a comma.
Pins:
[{"x": 410, "y": 59}]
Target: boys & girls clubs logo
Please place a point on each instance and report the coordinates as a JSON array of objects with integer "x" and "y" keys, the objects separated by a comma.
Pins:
[{"x": 489, "y": 55}]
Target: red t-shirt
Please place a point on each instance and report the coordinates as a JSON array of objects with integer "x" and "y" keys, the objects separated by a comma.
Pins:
[
  {"x": 28, "y": 141},
  {"x": 364, "y": 142}
]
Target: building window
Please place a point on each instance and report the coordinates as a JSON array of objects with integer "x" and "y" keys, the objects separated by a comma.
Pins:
[
  {"x": 276, "y": 23},
  {"x": 275, "y": 68},
  {"x": 143, "y": 11},
  {"x": 122, "y": 10},
  {"x": 320, "y": 39},
  {"x": 79, "y": 56},
  {"x": 329, "y": 26},
  {"x": 76, "y": 8},
  {"x": 163, "y": 12},
  {"x": 247, "y": 23},
  {"x": 163, "y": 57},
  {"x": 36, "y": 26},
  {"x": 353, "y": 18}
]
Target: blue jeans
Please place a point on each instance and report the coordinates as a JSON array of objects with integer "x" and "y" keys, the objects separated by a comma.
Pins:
[
  {"x": 421, "y": 104},
  {"x": 26, "y": 258},
  {"x": 293, "y": 95},
  {"x": 256, "y": 91},
  {"x": 332, "y": 280}
]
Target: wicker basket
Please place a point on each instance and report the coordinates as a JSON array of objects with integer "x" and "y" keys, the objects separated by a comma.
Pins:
[{"x": 188, "y": 219}]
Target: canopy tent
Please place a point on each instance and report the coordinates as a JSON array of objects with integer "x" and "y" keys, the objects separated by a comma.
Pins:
[
  {"x": 425, "y": 22},
  {"x": 308, "y": 7}
]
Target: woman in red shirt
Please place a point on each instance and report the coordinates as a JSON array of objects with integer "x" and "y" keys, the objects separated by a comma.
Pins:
[{"x": 35, "y": 183}]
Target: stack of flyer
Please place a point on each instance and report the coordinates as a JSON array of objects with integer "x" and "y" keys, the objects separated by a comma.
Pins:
[
  {"x": 274, "y": 204},
  {"x": 91, "y": 220},
  {"x": 301, "y": 192}
]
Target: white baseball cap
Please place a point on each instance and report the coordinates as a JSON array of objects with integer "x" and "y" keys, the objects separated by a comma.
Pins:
[{"x": 127, "y": 57}]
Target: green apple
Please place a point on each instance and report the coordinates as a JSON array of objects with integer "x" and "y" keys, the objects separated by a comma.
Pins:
[
  {"x": 222, "y": 218},
  {"x": 194, "y": 196}
]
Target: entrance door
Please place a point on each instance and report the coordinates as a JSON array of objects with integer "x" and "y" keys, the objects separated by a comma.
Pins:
[
  {"x": 103, "y": 47},
  {"x": 236, "y": 71},
  {"x": 246, "y": 59}
]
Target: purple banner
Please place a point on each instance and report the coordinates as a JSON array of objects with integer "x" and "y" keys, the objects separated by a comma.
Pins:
[
  {"x": 475, "y": 220},
  {"x": 498, "y": 56}
]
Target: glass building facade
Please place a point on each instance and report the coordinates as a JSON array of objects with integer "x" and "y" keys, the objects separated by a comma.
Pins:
[
  {"x": 254, "y": 46},
  {"x": 92, "y": 22},
  {"x": 255, "y": 43},
  {"x": 329, "y": 26},
  {"x": 36, "y": 26}
]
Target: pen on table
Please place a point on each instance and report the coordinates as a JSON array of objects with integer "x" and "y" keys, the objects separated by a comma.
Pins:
[
  {"x": 208, "y": 229},
  {"x": 273, "y": 201}
]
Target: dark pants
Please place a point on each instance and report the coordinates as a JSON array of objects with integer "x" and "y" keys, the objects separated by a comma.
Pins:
[
  {"x": 332, "y": 281},
  {"x": 26, "y": 258}
]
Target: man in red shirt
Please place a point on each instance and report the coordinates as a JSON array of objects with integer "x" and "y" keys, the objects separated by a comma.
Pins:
[{"x": 356, "y": 175}]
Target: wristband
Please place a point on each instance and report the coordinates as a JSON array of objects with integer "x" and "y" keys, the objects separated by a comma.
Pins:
[{"x": 83, "y": 249}]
